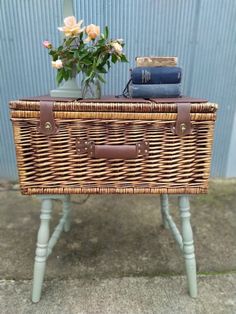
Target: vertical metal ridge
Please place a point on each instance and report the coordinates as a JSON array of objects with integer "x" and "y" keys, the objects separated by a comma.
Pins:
[{"x": 200, "y": 33}]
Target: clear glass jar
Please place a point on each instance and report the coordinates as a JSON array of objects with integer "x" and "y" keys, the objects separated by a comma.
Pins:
[{"x": 91, "y": 89}]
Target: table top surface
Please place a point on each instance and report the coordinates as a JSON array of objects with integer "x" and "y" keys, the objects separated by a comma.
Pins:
[{"x": 117, "y": 99}]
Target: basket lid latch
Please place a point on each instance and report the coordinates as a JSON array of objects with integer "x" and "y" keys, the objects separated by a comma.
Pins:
[
  {"x": 47, "y": 124},
  {"x": 183, "y": 125}
]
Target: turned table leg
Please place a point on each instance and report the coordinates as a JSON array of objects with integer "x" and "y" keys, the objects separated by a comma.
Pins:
[
  {"x": 188, "y": 245},
  {"x": 45, "y": 243},
  {"x": 66, "y": 212},
  {"x": 164, "y": 209},
  {"x": 41, "y": 249}
]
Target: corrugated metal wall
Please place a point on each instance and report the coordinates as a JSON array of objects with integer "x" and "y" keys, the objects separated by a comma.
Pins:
[{"x": 201, "y": 33}]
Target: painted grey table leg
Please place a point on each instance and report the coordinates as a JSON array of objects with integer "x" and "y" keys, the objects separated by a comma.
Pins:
[
  {"x": 41, "y": 249},
  {"x": 188, "y": 245},
  {"x": 164, "y": 209},
  {"x": 67, "y": 213}
]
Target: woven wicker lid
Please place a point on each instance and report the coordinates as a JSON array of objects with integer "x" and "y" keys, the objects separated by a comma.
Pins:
[{"x": 114, "y": 104}]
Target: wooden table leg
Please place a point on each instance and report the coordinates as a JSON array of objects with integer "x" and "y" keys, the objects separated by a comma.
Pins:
[
  {"x": 41, "y": 249},
  {"x": 45, "y": 243},
  {"x": 188, "y": 245},
  {"x": 67, "y": 212},
  {"x": 164, "y": 209}
]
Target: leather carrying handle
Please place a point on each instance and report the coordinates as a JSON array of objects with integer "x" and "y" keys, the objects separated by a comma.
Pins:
[{"x": 112, "y": 151}]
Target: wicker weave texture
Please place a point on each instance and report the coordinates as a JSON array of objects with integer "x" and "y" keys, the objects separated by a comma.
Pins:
[
  {"x": 138, "y": 106},
  {"x": 51, "y": 164}
]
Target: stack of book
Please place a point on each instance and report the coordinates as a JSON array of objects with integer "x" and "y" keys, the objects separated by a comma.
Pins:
[{"x": 155, "y": 77}]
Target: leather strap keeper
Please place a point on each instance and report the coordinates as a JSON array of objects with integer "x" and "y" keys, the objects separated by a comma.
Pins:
[
  {"x": 183, "y": 124},
  {"x": 47, "y": 124}
]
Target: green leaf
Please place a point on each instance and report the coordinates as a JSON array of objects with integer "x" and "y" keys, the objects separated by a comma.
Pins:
[
  {"x": 54, "y": 55},
  {"x": 101, "y": 42},
  {"x": 67, "y": 67},
  {"x": 78, "y": 68},
  {"x": 59, "y": 77},
  {"x": 86, "y": 61},
  {"x": 69, "y": 41},
  {"x": 82, "y": 55},
  {"x": 67, "y": 74},
  {"x": 94, "y": 63},
  {"x": 114, "y": 58},
  {"x": 123, "y": 58},
  {"x": 60, "y": 48},
  {"x": 105, "y": 58},
  {"x": 101, "y": 69},
  {"x": 106, "y": 32},
  {"x": 52, "y": 52},
  {"x": 76, "y": 53}
]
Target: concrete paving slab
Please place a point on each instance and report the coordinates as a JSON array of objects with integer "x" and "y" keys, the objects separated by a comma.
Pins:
[{"x": 162, "y": 295}]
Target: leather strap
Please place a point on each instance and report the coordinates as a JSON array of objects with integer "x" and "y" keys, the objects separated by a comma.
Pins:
[
  {"x": 115, "y": 151},
  {"x": 47, "y": 124},
  {"x": 183, "y": 124},
  {"x": 112, "y": 151}
]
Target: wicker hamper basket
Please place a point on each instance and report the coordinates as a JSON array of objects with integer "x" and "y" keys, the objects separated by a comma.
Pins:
[{"x": 113, "y": 145}]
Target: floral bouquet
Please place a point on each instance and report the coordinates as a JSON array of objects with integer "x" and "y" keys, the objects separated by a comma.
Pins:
[{"x": 92, "y": 55}]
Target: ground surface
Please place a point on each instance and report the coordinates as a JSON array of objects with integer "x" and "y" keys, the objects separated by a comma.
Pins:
[{"x": 117, "y": 258}]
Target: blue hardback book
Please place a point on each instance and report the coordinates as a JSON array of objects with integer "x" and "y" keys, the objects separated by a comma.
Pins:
[
  {"x": 156, "y": 75},
  {"x": 154, "y": 90}
]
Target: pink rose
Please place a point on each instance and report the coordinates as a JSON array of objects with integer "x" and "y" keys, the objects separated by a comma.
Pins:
[{"x": 47, "y": 44}]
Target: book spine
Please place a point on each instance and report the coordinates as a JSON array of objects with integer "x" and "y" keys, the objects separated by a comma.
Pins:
[
  {"x": 156, "y": 75},
  {"x": 156, "y": 61},
  {"x": 154, "y": 90}
]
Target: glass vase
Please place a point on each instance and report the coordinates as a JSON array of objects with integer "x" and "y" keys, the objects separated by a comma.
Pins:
[{"x": 91, "y": 89}]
